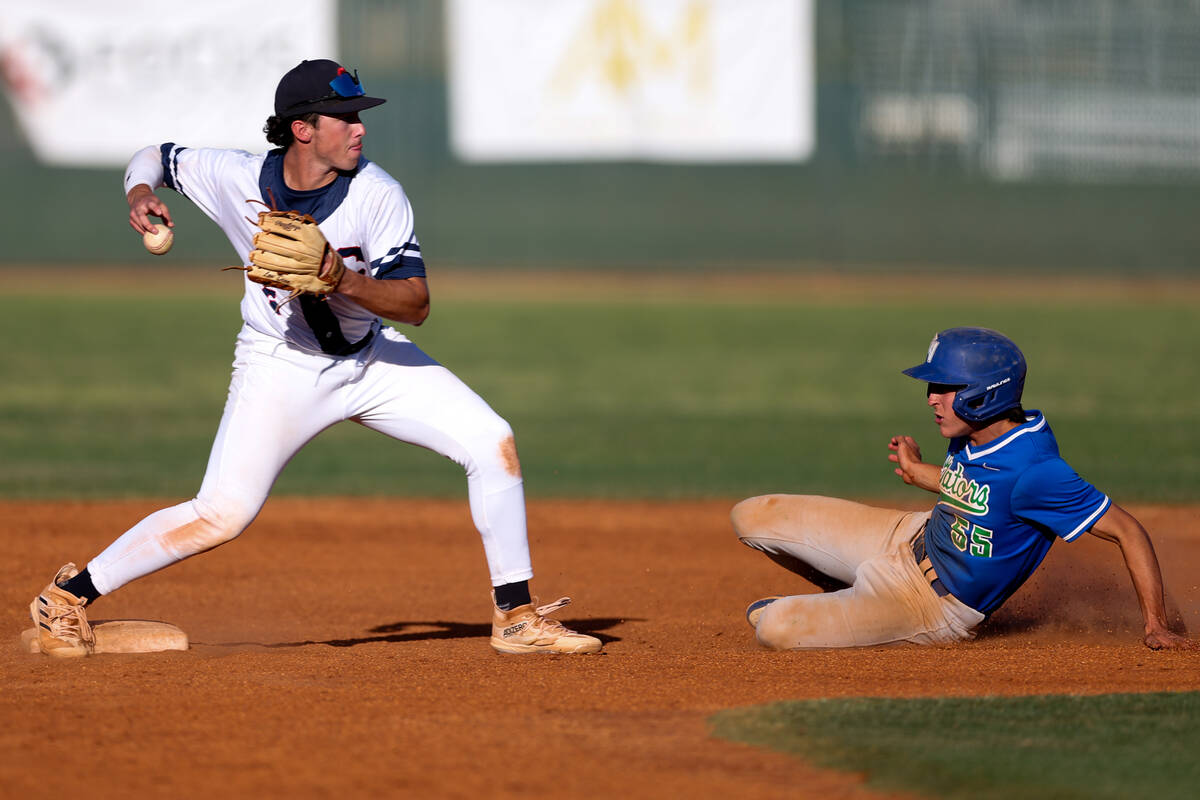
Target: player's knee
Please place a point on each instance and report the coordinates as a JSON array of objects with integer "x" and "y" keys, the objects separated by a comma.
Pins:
[
  {"x": 508, "y": 455},
  {"x": 494, "y": 451},
  {"x": 219, "y": 523},
  {"x": 751, "y": 515}
]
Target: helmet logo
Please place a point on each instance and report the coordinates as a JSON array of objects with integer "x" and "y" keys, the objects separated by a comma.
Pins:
[{"x": 933, "y": 346}]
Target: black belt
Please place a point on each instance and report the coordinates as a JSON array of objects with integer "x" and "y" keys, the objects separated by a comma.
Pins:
[{"x": 926, "y": 566}]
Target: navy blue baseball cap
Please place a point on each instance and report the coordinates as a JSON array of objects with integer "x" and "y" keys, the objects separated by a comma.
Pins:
[{"x": 321, "y": 86}]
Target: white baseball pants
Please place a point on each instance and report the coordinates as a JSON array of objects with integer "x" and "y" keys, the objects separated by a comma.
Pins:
[
  {"x": 887, "y": 598},
  {"x": 281, "y": 397}
]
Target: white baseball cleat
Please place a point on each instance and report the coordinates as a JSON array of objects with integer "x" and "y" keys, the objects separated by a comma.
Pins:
[
  {"x": 526, "y": 629},
  {"x": 61, "y": 623},
  {"x": 755, "y": 609}
]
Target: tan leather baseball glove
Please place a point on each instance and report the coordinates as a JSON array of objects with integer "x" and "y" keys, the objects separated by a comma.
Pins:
[{"x": 290, "y": 252}]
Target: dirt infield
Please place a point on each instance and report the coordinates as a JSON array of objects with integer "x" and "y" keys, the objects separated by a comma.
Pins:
[{"x": 340, "y": 649}]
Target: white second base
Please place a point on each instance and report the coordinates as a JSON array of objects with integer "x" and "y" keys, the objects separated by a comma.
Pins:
[{"x": 126, "y": 636}]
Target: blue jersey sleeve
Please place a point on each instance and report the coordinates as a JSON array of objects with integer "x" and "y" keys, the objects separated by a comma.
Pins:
[{"x": 1052, "y": 496}]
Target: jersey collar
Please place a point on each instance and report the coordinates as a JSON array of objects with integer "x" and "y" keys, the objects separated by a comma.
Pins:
[
  {"x": 1034, "y": 422},
  {"x": 318, "y": 203}
]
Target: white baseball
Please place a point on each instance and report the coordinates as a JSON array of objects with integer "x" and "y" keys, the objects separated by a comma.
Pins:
[{"x": 159, "y": 240}]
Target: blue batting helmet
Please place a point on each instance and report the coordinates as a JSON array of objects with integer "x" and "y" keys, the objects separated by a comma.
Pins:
[{"x": 986, "y": 368}]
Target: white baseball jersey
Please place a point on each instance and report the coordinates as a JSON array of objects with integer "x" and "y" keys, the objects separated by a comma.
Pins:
[{"x": 365, "y": 216}]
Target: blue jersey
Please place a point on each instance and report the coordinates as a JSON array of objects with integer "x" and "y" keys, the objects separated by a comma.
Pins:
[{"x": 1001, "y": 507}]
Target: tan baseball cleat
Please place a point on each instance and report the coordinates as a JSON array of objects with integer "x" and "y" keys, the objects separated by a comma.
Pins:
[
  {"x": 61, "y": 623},
  {"x": 526, "y": 629}
]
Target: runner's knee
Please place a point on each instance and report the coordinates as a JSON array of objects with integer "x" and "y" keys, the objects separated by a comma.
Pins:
[{"x": 752, "y": 515}]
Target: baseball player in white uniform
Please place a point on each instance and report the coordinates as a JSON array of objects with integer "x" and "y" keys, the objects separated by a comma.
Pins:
[
  {"x": 931, "y": 577},
  {"x": 304, "y": 365}
]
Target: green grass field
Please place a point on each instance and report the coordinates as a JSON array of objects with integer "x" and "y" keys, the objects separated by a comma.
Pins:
[
  {"x": 111, "y": 395},
  {"x": 1107, "y": 746}
]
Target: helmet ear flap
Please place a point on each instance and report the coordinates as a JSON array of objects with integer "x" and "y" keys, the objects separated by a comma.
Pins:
[
  {"x": 970, "y": 405},
  {"x": 990, "y": 397}
]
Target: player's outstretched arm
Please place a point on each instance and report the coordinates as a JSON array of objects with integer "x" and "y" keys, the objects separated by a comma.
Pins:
[
  {"x": 1120, "y": 527},
  {"x": 405, "y": 300},
  {"x": 911, "y": 469}
]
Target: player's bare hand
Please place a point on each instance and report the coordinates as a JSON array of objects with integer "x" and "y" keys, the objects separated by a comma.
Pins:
[
  {"x": 911, "y": 469},
  {"x": 143, "y": 204},
  {"x": 1166, "y": 640},
  {"x": 907, "y": 454}
]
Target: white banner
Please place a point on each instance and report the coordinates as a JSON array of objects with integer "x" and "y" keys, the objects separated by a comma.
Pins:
[
  {"x": 91, "y": 82},
  {"x": 675, "y": 80}
]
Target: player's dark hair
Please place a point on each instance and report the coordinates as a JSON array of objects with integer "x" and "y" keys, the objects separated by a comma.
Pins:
[
  {"x": 1016, "y": 414},
  {"x": 279, "y": 129}
]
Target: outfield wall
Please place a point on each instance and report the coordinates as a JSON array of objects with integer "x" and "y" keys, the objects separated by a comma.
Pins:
[{"x": 979, "y": 135}]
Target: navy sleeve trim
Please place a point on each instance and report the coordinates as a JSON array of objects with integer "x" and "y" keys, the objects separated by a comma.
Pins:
[
  {"x": 401, "y": 262},
  {"x": 170, "y": 163}
]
